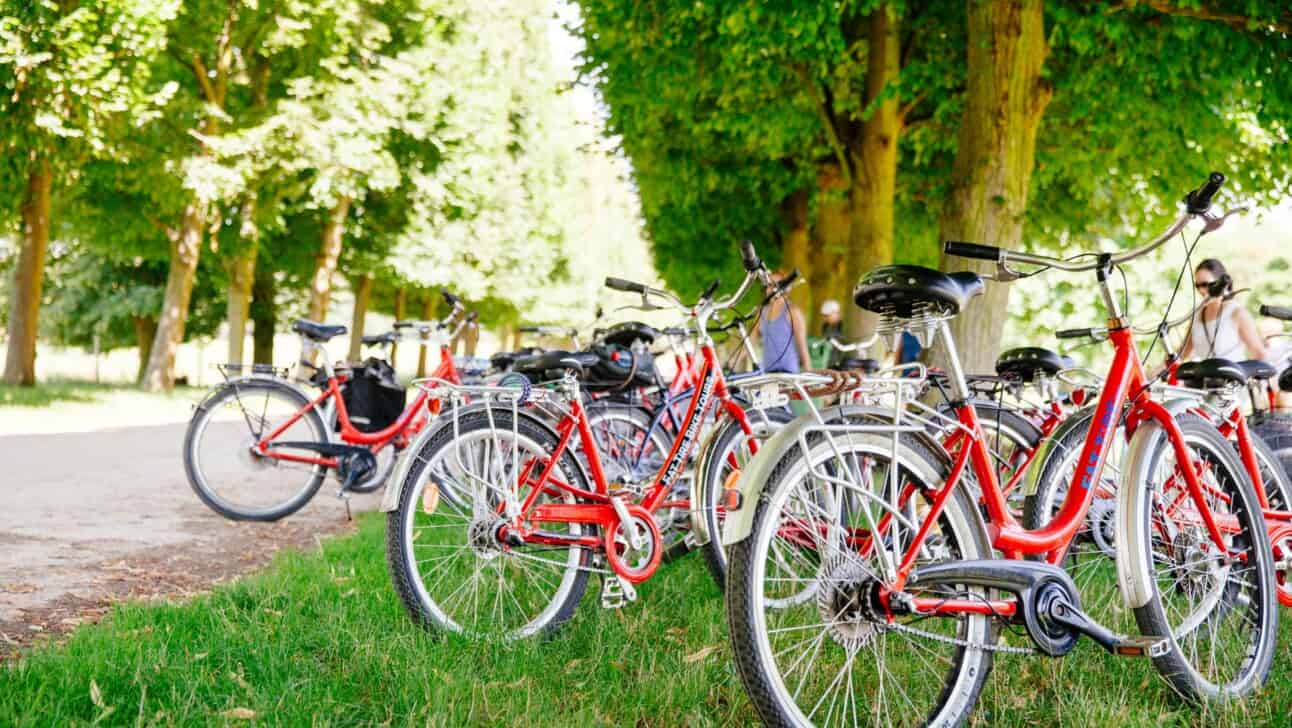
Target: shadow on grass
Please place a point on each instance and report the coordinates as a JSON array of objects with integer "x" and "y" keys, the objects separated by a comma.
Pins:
[{"x": 51, "y": 392}]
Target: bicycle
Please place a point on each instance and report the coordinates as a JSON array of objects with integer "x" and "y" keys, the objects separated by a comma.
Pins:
[
  {"x": 499, "y": 524},
  {"x": 248, "y": 435},
  {"x": 903, "y": 570}
]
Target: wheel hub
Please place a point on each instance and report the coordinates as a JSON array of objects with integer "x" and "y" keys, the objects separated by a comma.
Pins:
[
  {"x": 848, "y": 601},
  {"x": 252, "y": 458},
  {"x": 482, "y": 535}
]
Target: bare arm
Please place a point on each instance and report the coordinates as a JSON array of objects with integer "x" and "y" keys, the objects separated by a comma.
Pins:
[
  {"x": 1250, "y": 335},
  {"x": 800, "y": 337}
]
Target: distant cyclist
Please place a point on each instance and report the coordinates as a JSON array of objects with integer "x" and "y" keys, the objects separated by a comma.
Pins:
[{"x": 1220, "y": 329}]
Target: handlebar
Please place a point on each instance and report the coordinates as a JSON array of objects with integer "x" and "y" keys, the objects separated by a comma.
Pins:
[
  {"x": 1199, "y": 200},
  {"x": 713, "y": 288},
  {"x": 784, "y": 285},
  {"x": 749, "y": 257},
  {"x": 449, "y": 298},
  {"x": 619, "y": 284},
  {"x": 1196, "y": 203},
  {"x": 1282, "y": 313}
]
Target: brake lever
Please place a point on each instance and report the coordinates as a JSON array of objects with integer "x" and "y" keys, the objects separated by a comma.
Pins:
[{"x": 1215, "y": 222}]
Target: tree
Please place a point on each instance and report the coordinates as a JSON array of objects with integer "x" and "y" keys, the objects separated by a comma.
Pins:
[{"x": 74, "y": 77}]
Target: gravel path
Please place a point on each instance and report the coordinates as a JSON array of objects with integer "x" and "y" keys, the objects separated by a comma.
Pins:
[{"x": 96, "y": 513}]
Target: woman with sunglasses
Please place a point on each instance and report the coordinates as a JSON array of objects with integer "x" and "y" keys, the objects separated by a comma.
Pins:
[{"x": 1220, "y": 329}]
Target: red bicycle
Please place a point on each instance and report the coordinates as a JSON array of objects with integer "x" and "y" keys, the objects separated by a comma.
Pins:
[
  {"x": 259, "y": 446},
  {"x": 885, "y": 606},
  {"x": 500, "y": 519}
]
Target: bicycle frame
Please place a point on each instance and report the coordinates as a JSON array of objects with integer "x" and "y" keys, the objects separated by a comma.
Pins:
[
  {"x": 601, "y": 509},
  {"x": 1051, "y": 541},
  {"x": 409, "y": 422}
]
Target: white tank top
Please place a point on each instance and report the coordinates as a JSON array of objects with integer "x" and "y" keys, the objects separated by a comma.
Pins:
[{"x": 1218, "y": 338}]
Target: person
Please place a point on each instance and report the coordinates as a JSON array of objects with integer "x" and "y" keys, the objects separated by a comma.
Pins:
[
  {"x": 1220, "y": 329},
  {"x": 783, "y": 332},
  {"x": 831, "y": 320},
  {"x": 824, "y": 355}
]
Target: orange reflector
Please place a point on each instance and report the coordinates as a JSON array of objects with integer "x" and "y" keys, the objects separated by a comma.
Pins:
[{"x": 430, "y": 497}]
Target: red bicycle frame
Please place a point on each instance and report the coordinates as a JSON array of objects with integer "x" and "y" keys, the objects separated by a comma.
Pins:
[
  {"x": 600, "y": 509},
  {"x": 1052, "y": 540},
  {"x": 409, "y": 422}
]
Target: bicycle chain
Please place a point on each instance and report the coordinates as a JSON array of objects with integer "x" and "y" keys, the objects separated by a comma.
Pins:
[{"x": 1007, "y": 649}]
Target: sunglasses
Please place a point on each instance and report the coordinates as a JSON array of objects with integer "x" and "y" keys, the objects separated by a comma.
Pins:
[{"x": 1203, "y": 286}]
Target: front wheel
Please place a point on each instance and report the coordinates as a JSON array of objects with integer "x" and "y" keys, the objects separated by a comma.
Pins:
[
  {"x": 1215, "y": 603},
  {"x": 229, "y": 474}
]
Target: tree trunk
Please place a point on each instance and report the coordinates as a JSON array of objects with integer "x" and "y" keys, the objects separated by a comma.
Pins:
[
  {"x": 795, "y": 251},
  {"x": 400, "y": 298},
  {"x": 29, "y": 276},
  {"x": 159, "y": 374},
  {"x": 428, "y": 313},
  {"x": 362, "y": 292},
  {"x": 874, "y": 164},
  {"x": 145, "y": 332},
  {"x": 1005, "y": 98},
  {"x": 326, "y": 259},
  {"x": 242, "y": 277},
  {"x": 264, "y": 313},
  {"x": 830, "y": 236}
]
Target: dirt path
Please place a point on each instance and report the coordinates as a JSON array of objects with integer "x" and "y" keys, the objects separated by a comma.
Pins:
[{"x": 94, "y": 517}]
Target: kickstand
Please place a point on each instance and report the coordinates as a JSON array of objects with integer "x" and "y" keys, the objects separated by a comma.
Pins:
[{"x": 348, "y": 517}]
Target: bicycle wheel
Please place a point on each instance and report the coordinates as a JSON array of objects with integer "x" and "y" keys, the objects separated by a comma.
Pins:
[
  {"x": 832, "y": 659},
  {"x": 1276, "y": 432},
  {"x": 229, "y": 475},
  {"x": 727, "y": 455},
  {"x": 450, "y": 567},
  {"x": 1217, "y": 610},
  {"x": 1278, "y": 493}
]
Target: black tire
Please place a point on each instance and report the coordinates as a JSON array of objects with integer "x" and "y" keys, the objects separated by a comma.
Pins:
[
  {"x": 238, "y": 392},
  {"x": 1276, "y": 432},
  {"x": 950, "y": 700},
  {"x": 433, "y": 461},
  {"x": 1243, "y": 597},
  {"x": 729, "y": 439}
]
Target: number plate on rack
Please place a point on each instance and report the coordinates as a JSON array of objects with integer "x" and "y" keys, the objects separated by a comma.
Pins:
[{"x": 768, "y": 396}]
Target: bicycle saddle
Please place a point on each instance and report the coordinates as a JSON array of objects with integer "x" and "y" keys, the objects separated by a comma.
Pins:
[
  {"x": 626, "y": 333},
  {"x": 869, "y": 366},
  {"x": 316, "y": 330},
  {"x": 911, "y": 291},
  {"x": 389, "y": 337},
  {"x": 1024, "y": 363},
  {"x": 1285, "y": 380},
  {"x": 556, "y": 359},
  {"x": 1258, "y": 370},
  {"x": 1210, "y": 374}
]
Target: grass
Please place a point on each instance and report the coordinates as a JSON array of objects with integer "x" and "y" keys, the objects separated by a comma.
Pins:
[
  {"x": 53, "y": 391},
  {"x": 320, "y": 639}
]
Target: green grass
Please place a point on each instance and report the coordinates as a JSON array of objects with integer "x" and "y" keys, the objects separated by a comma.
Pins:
[
  {"x": 321, "y": 639},
  {"x": 50, "y": 392}
]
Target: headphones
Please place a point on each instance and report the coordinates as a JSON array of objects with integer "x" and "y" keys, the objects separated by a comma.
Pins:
[{"x": 1220, "y": 286}]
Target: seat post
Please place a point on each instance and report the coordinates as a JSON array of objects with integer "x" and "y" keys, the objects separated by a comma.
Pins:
[{"x": 955, "y": 373}]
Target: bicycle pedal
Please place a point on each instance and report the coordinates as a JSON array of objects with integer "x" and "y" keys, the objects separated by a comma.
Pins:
[
  {"x": 1141, "y": 646},
  {"x": 615, "y": 593}
]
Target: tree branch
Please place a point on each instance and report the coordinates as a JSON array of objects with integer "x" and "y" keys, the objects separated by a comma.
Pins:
[
  {"x": 827, "y": 123},
  {"x": 199, "y": 70},
  {"x": 166, "y": 230},
  {"x": 1237, "y": 21}
]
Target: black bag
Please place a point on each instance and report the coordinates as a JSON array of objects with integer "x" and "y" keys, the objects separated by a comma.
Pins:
[
  {"x": 373, "y": 398},
  {"x": 619, "y": 367}
]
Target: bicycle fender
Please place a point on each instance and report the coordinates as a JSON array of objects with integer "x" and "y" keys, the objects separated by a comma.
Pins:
[
  {"x": 1136, "y": 584},
  {"x": 395, "y": 488},
  {"x": 739, "y": 524}
]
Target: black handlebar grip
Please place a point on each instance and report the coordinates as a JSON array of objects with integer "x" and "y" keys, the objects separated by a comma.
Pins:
[
  {"x": 750, "y": 256},
  {"x": 1199, "y": 201},
  {"x": 971, "y": 250},
  {"x": 1087, "y": 333},
  {"x": 403, "y": 324},
  {"x": 450, "y": 299},
  {"x": 1283, "y": 313},
  {"x": 619, "y": 284},
  {"x": 528, "y": 329},
  {"x": 713, "y": 287}
]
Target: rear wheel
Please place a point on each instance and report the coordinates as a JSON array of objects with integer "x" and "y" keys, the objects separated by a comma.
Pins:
[
  {"x": 449, "y": 559},
  {"x": 1216, "y": 603},
  {"x": 809, "y": 644},
  {"x": 225, "y": 469}
]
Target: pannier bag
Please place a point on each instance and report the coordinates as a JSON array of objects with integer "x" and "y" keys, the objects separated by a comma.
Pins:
[
  {"x": 619, "y": 367},
  {"x": 373, "y": 398}
]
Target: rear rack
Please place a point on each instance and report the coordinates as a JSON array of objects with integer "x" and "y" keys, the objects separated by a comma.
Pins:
[{"x": 229, "y": 371}]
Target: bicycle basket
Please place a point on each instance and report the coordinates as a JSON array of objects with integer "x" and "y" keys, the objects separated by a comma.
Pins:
[{"x": 373, "y": 398}]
